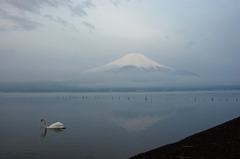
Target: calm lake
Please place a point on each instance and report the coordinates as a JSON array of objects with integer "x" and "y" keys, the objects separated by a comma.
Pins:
[{"x": 106, "y": 125}]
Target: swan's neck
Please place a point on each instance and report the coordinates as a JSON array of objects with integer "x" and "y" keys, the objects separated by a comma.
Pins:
[{"x": 45, "y": 123}]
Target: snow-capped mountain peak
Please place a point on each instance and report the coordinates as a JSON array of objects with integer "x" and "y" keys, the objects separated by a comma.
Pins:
[{"x": 133, "y": 60}]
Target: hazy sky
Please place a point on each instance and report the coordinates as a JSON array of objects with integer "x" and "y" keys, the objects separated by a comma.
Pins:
[{"x": 59, "y": 39}]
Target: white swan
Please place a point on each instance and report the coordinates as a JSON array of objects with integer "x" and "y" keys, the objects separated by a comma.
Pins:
[{"x": 56, "y": 125}]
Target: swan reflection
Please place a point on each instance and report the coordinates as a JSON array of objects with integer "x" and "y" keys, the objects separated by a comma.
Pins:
[{"x": 43, "y": 135}]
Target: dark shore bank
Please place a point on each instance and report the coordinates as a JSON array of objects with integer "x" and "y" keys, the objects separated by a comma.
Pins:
[{"x": 221, "y": 142}]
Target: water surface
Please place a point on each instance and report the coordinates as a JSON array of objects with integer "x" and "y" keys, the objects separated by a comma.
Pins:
[{"x": 107, "y": 125}]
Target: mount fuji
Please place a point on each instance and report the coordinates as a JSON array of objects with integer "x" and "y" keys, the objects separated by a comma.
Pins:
[{"x": 135, "y": 62}]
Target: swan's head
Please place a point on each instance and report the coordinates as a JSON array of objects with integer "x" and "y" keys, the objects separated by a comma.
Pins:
[{"x": 44, "y": 122}]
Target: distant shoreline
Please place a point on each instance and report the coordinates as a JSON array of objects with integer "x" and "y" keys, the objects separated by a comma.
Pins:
[
  {"x": 222, "y": 142},
  {"x": 32, "y": 87}
]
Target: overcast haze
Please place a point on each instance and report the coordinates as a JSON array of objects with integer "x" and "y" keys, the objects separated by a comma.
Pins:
[{"x": 60, "y": 39}]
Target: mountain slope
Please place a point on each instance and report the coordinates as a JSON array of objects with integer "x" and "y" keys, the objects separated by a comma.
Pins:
[{"x": 133, "y": 62}]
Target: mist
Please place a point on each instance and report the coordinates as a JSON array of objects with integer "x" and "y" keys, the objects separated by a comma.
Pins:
[{"x": 59, "y": 41}]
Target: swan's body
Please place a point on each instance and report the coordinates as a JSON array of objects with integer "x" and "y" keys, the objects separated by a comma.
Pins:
[{"x": 56, "y": 125}]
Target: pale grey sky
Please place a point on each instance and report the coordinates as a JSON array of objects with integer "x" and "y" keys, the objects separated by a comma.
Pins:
[{"x": 60, "y": 39}]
